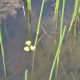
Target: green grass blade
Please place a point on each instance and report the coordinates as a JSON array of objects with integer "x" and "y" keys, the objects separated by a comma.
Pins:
[
  {"x": 56, "y": 9},
  {"x": 3, "y": 55},
  {"x": 37, "y": 34},
  {"x": 57, "y": 6},
  {"x": 62, "y": 16},
  {"x": 39, "y": 22},
  {"x": 26, "y": 75},
  {"x": 73, "y": 15},
  {"x": 62, "y": 33},
  {"x": 29, "y": 5},
  {"x": 57, "y": 53},
  {"x": 55, "y": 18},
  {"x": 29, "y": 10},
  {"x": 57, "y": 62}
]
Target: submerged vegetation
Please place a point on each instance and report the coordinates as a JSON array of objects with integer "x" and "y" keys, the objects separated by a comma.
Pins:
[{"x": 64, "y": 32}]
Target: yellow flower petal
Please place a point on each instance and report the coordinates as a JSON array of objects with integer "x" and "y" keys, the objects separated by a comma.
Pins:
[
  {"x": 32, "y": 48},
  {"x": 26, "y": 48},
  {"x": 28, "y": 43}
]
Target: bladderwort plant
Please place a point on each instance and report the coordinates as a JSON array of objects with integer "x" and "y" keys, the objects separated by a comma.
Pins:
[
  {"x": 62, "y": 33},
  {"x": 37, "y": 38},
  {"x": 37, "y": 34},
  {"x": 29, "y": 46}
]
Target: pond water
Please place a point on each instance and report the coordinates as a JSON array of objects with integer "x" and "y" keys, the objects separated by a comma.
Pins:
[{"x": 16, "y": 28}]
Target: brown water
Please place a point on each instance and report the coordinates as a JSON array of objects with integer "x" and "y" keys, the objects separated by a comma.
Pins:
[{"x": 17, "y": 60}]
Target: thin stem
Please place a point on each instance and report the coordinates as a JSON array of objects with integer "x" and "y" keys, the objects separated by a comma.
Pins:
[
  {"x": 3, "y": 55},
  {"x": 57, "y": 53},
  {"x": 37, "y": 34},
  {"x": 26, "y": 74},
  {"x": 39, "y": 22},
  {"x": 73, "y": 15},
  {"x": 62, "y": 16},
  {"x": 33, "y": 56}
]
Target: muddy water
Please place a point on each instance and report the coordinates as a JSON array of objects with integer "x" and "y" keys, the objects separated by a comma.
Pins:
[{"x": 17, "y": 60}]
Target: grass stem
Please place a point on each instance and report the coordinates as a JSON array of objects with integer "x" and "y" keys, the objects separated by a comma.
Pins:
[
  {"x": 26, "y": 74},
  {"x": 57, "y": 53},
  {"x": 3, "y": 55}
]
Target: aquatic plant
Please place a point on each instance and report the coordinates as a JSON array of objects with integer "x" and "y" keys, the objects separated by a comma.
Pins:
[
  {"x": 29, "y": 46},
  {"x": 62, "y": 33},
  {"x": 55, "y": 18},
  {"x": 74, "y": 20},
  {"x": 27, "y": 14},
  {"x": 62, "y": 16},
  {"x": 29, "y": 10},
  {"x": 37, "y": 36},
  {"x": 57, "y": 53},
  {"x": 74, "y": 15},
  {"x": 3, "y": 54},
  {"x": 56, "y": 10},
  {"x": 26, "y": 75},
  {"x": 33, "y": 48},
  {"x": 39, "y": 23}
]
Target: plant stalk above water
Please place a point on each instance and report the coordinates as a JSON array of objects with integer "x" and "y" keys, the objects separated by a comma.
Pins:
[
  {"x": 26, "y": 75},
  {"x": 37, "y": 35},
  {"x": 62, "y": 33},
  {"x": 73, "y": 15},
  {"x": 39, "y": 23},
  {"x": 3, "y": 55},
  {"x": 29, "y": 10},
  {"x": 62, "y": 16},
  {"x": 56, "y": 10},
  {"x": 57, "y": 53}
]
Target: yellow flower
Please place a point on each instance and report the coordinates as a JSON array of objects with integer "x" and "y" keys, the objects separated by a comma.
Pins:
[
  {"x": 28, "y": 43},
  {"x": 32, "y": 48},
  {"x": 27, "y": 48}
]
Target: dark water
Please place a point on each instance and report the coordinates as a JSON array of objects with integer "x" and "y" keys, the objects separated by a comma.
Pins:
[{"x": 17, "y": 60}]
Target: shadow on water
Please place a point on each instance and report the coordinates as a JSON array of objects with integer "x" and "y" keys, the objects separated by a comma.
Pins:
[{"x": 17, "y": 60}]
